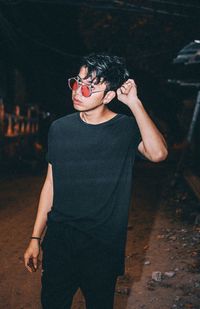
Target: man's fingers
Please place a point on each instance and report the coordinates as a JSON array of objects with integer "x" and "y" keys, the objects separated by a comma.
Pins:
[
  {"x": 31, "y": 257},
  {"x": 31, "y": 263},
  {"x": 131, "y": 83},
  {"x": 122, "y": 91},
  {"x": 35, "y": 262},
  {"x": 126, "y": 87},
  {"x": 26, "y": 262},
  {"x": 119, "y": 91},
  {"x": 29, "y": 269}
]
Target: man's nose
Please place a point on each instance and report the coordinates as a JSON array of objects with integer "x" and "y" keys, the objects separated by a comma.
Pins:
[{"x": 78, "y": 90}]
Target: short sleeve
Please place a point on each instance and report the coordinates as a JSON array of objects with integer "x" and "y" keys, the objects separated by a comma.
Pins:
[
  {"x": 49, "y": 155},
  {"x": 136, "y": 133},
  {"x": 137, "y": 139}
]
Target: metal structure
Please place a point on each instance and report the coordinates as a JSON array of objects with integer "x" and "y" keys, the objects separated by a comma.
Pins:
[{"x": 189, "y": 55}]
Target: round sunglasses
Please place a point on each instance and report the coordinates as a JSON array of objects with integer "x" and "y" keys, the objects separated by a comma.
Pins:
[{"x": 86, "y": 89}]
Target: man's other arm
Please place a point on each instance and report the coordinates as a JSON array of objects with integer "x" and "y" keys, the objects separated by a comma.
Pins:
[{"x": 44, "y": 206}]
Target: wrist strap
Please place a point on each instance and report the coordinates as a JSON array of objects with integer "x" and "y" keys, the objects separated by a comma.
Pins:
[{"x": 34, "y": 237}]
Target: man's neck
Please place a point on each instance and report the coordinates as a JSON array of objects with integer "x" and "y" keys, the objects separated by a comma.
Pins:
[{"x": 96, "y": 117}]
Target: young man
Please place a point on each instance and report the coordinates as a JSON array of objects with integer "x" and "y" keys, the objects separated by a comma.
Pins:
[{"x": 86, "y": 195}]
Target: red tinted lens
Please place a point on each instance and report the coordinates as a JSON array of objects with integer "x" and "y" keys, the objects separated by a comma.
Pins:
[
  {"x": 85, "y": 90},
  {"x": 73, "y": 84}
]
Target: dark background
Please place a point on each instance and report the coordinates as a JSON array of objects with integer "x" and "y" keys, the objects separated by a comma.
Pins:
[
  {"x": 41, "y": 43},
  {"x": 44, "y": 40}
]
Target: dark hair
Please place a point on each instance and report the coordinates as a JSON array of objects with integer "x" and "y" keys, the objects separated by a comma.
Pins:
[{"x": 107, "y": 68}]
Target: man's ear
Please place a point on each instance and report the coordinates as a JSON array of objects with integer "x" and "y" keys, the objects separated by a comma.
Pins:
[{"x": 109, "y": 96}]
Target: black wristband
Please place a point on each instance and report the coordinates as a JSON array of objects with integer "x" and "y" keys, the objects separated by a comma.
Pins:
[{"x": 34, "y": 237}]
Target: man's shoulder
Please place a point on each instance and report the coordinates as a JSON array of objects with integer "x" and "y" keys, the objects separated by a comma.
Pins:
[
  {"x": 64, "y": 120},
  {"x": 128, "y": 120}
]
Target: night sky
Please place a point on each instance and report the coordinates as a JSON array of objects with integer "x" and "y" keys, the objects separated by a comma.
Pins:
[{"x": 43, "y": 41}]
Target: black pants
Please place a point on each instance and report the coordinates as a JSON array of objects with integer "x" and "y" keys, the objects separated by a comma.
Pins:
[{"x": 71, "y": 260}]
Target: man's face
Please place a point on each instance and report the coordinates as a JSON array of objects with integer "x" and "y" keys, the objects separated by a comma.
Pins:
[{"x": 82, "y": 103}]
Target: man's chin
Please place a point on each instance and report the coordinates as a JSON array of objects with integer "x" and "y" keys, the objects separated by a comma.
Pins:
[{"x": 78, "y": 107}]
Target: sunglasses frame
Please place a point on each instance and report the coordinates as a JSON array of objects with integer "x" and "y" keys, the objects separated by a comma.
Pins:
[{"x": 80, "y": 83}]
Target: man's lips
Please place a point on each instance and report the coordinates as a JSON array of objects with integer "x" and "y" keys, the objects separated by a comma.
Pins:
[{"x": 77, "y": 102}]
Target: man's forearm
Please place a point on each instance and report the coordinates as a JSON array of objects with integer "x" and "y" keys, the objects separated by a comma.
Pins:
[
  {"x": 154, "y": 145},
  {"x": 45, "y": 204}
]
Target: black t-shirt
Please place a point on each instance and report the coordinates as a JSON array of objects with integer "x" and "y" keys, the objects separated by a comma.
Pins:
[{"x": 92, "y": 176}]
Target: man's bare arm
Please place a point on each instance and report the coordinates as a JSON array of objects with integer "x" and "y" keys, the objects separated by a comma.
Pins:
[
  {"x": 44, "y": 206},
  {"x": 153, "y": 145}
]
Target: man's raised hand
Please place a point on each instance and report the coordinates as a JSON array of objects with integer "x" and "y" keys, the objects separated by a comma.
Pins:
[{"x": 127, "y": 93}]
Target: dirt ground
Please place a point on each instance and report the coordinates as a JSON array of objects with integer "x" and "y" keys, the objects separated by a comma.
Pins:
[{"x": 162, "y": 238}]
